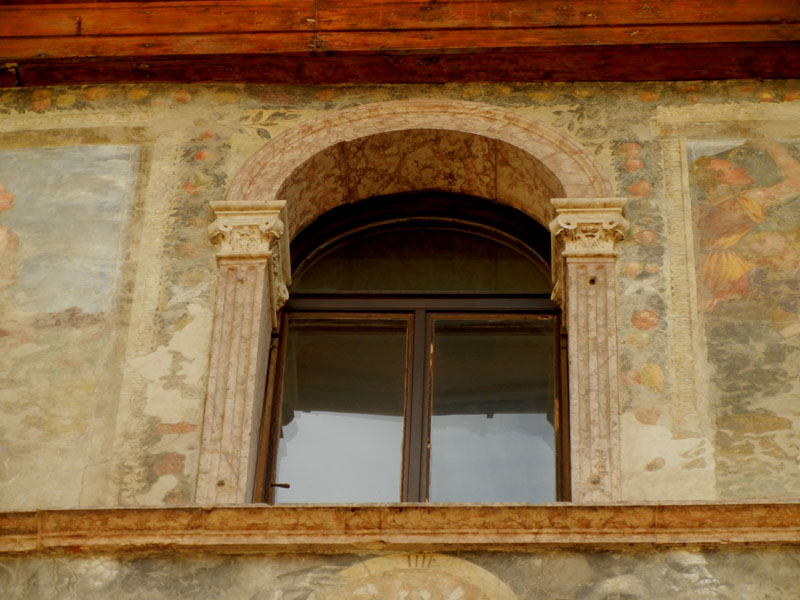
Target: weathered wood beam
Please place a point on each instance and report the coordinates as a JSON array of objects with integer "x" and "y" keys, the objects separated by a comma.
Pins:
[
  {"x": 155, "y": 18},
  {"x": 633, "y": 63},
  {"x": 334, "y": 41},
  {"x": 436, "y": 41},
  {"x": 242, "y": 16},
  {"x": 482, "y": 14},
  {"x": 446, "y": 40}
]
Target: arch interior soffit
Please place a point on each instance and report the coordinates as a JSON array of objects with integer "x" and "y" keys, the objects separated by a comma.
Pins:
[{"x": 419, "y": 160}]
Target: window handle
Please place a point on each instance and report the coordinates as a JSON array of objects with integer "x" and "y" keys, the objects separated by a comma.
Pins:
[{"x": 280, "y": 485}]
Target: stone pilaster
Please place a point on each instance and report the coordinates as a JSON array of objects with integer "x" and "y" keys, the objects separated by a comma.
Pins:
[
  {"x": 586, "y": 231},
  {"x": 253, "y": 275}
]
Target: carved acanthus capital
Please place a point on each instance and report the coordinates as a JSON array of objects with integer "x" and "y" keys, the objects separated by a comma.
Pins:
[
  {"x": 588, "y": 226},
  {"x": 246, "y": 229}
]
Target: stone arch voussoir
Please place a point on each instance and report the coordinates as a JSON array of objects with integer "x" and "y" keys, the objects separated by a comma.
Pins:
[{"x": 261, "y": 177}]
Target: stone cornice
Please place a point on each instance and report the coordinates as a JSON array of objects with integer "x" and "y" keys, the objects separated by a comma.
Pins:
[{"x": 348, "y": 528}]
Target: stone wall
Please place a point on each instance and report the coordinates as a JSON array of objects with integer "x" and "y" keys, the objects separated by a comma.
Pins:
[{"x": 107, "y": 275}]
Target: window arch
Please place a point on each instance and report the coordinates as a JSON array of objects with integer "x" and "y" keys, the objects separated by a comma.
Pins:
[
  {"x": 253, "y": 224},
  {"x": 420, "y": 358}
]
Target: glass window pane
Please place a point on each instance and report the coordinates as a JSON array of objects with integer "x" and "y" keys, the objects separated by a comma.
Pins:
[
  {"x": 492, "y": 423},
  {"x": 423, "y": 260},
  {"x": 342, "y": 412}
]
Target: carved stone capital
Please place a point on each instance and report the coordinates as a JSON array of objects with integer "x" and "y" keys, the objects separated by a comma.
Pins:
[
  {"x": 588, "y": 226},
  {"x": 246, "y": 229}
]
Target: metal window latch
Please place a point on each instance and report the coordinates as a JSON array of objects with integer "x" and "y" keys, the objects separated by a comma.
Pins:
[{"x": 280, "y": 485}]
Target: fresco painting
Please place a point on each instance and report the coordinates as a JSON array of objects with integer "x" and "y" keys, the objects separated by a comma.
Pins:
[
  {"x": 64, "y": 216},
  {"x": 746, "y": 205},
  {"x": 678, "y": 574},
  {"x": 65, "y": 208}
]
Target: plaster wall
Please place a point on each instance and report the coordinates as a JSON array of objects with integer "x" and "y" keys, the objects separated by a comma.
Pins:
[{"x": 107, "y": 275}]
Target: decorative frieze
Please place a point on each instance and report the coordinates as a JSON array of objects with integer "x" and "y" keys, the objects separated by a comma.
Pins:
[{"x": 585, "y": 232}]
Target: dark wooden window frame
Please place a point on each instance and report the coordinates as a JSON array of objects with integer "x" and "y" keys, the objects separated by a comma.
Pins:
[{"x": 420, "y": 309}]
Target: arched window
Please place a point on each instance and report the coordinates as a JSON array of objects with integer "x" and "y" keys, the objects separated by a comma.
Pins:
[{"x": 419, "y": 359}]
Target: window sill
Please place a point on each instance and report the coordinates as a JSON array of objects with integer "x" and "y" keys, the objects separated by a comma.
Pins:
[{"x": 410, "y": 527}]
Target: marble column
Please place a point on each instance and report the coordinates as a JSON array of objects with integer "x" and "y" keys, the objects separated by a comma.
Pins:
[
  {"x": 586, "y": 231},
  {"x": 253, "y": 275}
]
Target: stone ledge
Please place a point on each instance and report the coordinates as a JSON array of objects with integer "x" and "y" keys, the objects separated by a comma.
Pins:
[{"x": 348, "y": 528}]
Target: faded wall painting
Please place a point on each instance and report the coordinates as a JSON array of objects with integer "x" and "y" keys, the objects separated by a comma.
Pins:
[
  {"x": 63, "y": 215},
  {"x": 746, "y": 211},
  {"x": 732, "y": 574},
  {"x": 62, "y": 292}
]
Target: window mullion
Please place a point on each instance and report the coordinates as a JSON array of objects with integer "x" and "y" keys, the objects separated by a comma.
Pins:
[
  {"x": 562, "y": 423},
  {"x": 272, "y": 409},
  {"x": 427, "y": 402},
  {"x": 415, "y": 459}
]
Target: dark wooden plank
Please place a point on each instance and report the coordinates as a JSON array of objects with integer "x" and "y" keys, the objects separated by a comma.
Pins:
[
  {"x": 17, "y": 49},
  {"x": 8, "y": 76},
  {"x": 205, "y": 17},
  {"x": 37, "y": 20},
  {"x": 138, "y": 18},
  {"x": 135, "y": 18},
  {"x": 586, "y": 63},
  {"x": 448, "y": 40},
  {"x": 484, "y": 14},
  {"x": 111, "y": 2}
]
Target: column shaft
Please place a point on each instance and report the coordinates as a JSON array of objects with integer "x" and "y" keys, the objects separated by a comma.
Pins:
[{"x": 251, "y": 285}]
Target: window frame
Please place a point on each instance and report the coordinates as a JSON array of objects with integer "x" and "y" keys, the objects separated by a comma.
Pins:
[
  {"x": 254, "y": 269},
  {"x": 436, "y": 210},
  {"x": 420, "y": 310}
]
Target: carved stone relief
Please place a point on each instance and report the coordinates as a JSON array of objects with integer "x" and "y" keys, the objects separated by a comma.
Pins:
[{"x": 417, "y": 577}]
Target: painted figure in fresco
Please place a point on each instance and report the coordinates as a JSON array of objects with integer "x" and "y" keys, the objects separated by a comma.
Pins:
[
  {"x": 687, "y": 577},
  {"x": 13, "y": 321},
  {"x": 776, "y": 276},
  {"x": 731, "y": 208},
  {"x": 9, "y": 244}
]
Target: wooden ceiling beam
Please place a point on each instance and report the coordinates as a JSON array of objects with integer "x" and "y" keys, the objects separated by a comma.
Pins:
[
  {"x": 338, "y": 41},
  {"x": 242, "y": 16},
  {"x": 155, "y": 18},
  {"x": 436, "y": 41},
  {"x": 637, "y": 63}
]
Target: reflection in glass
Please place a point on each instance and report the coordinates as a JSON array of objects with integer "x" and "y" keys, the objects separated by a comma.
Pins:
[
  {"x": 342, "y": 412},
  {"x": 422, "y": 259},
  {"x": 492, "y": 423}
]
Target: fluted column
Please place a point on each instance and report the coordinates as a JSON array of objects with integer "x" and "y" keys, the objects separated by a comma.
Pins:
[
  {"x": 586, "y": 231},
  {"x": 253, "y": 274}
]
